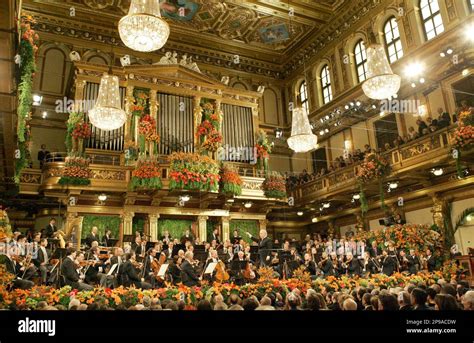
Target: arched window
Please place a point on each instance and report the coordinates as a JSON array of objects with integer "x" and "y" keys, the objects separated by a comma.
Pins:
[
  {"x": 431, "y": 16},
  {"x": 360, "y": 56},
  {"x": 326, "y": 84},
  {"x": 303, "y": 93},
  {"x": 392, "y": 40}
]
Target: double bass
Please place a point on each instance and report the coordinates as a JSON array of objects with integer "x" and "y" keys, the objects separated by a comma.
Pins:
[{"x": 221, "y": 273}]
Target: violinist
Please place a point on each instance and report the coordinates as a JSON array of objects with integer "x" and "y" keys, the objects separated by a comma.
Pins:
[
  {"x": 94, "y": 272},
  {"x": 175, "y": 269},
  {"x": 188, "y": 274},
  {"x": 325, "y": 265},
  {"x": 148, "y": 273},
  {"x": 131, "y": 271},
  {"x": 403, "y": 261},
  {"x": 169, "y": 252},
  {"x": 213, "y": 258},
  {"x": 229, "y": 253},
  {"x": 310, "y": 265},
  {"x": 389, "y": 264},
  {"x": 70, "y": 274},
  {"x": 336, "y": 264},
  {"x": 413, "y": 262},
  {"x": 13, "y": 266},
  {"x": 353, "y": 265},
  {"x": 371, "y": 265}
]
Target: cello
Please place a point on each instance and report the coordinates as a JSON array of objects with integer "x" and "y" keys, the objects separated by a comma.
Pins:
[
  {"x": 156, "y": 266},
  {"x": 221, "y": 274}
]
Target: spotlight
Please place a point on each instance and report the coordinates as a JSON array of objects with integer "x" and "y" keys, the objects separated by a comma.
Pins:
[
  {"x": 321, "y": 133},
  {"x": 437, "y": 171},
  {"x": 395, "y": 96},
  {"x": 382, "y": 113},
  {"x": 374, "y": 107},
  {"x": 413, "y": 85},
  {"x": 327, "y": 117},
  {"x": 326, "y": 130},
  {"x": 346, "y": 107},
  {"x": 326, "y": 204},
  {"x": 414, "y": 69},
  {"x": 314, "y": 220},
  {"x": 393, "y": 184},
  {"x": 358, "y": 103},
  {"x": 44, "y": 114},
  {"x": 352, "y": 104},
  {"x": 102, "y": 197},
  {"x": 184, "y": 198},
  {"x": 356, "y": 196},
  {"x": 37, "y": 99},
  {"x": 230, "y": 200},
  {"x": 299, "y": 213},
  {"x": 449, "y": 51},
  {"x": 248, "y": 204},
  {"x": 442, "y": 54},
  {"x": 422, "y": 80},
  {"x": 278, "y": 133}
]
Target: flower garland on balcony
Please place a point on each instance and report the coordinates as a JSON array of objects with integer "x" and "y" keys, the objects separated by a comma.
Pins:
[
  {"x": 192, "y": 171},
  {"x": 140, "y": 105},
  {"x": 76, "y": 130},
  {"x": 147, "y": 174},
  {"x": 263, "y": 149},
  {"x": 28, "y": 49},
  {"x": 5, "y": 227},
  {"x": 231, "y": 182},
  {"x": 208, "y": 131},
  {"x": 76, "y": 171},
  {"x": 147, "y": 134},
  {"x": 274, "y": 186},
  {"x": 463, "y": 137},
  {"x": 374, "y": 167}
]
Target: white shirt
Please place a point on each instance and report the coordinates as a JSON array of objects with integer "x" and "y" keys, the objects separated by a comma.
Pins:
[{"x": 45, "y": 254}]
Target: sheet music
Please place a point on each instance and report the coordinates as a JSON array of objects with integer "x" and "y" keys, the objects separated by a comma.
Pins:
[
  {"x": 210, "y": 268},
  {"x": 112, "y": 269},
  {"x": 163, "y": 269}
]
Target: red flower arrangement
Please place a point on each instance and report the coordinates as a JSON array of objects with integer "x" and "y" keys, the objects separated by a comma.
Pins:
[
  {"x": 82, "y": 131},
  {"x": 147, "y": 175},
  {"x": 27, "y": 33},
  {"x": 147, "y": 128},
  {"x": 374, "y": 166},
  {"x": 464, "y": 137},
  {"x": 193, "y": 172},
  {"x": 76, "y": 171},
  {"x": 204, "y": 128},
  {"x": 274, "y": 186},
  {"x": 208, "y": 131},
  {"x": 213, "y": 141},
  {"x": 231, "y": 182}
]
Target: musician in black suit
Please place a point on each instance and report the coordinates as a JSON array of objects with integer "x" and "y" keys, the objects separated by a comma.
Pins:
[
  {"x": 430, "y": 261},
  {"x": 70, "y": 274},
  {"x": 215, "y": 236},
  {"x": 115, "y": 277},
  {"x": 389, "y": 264},
  {"x": 371, "y": 265},
  {"x": 374, "y": 250},
  {"x": 51, "y": 229},
  {"x": 15, "y": 269},
  {"x": 188, "y": 274},
  {"x": 95, "y": 272},
  {"x": 236, "y": 238},
  {"x": 326, "y": 265},
  {"x": 353, "y": 266},
  {"x": 413, "y": 262},
  {"x": 130, "y": 274},
  {"x": 265, "y": 246},
  {"x": 107, "y": 237},
  {"x": 187, "y": 237},
  {"x": 42, "y": 260},
  {"x": 93, "y": 236},
  {"x": 310, "y": 265}
]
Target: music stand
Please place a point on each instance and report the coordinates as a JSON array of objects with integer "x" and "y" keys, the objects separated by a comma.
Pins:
[
  {"x": 59, "y": 254},
  {"x": 112, "y": 242}
]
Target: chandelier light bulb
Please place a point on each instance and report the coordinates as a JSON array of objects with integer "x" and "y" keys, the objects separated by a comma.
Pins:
[
  {"x": 302, "y": 137},
  {"x": 107, "y": 113},
  {"x": 381, "y": 82},
  {"x": 143, "y": 29}
]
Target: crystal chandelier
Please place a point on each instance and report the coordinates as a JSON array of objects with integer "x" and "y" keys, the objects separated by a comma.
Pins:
[
  {"x": 381, "y": 82},
  {"x": 107, "y": 113},
  {"x": 143, "y": 29},
  {"x": 302, "y": 138}
]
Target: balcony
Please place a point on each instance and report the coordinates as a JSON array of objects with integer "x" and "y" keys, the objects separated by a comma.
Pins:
[{"x": 408, "y": 161}]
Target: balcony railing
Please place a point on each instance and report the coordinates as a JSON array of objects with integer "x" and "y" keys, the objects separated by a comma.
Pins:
[{"x": 422, "y": 152}]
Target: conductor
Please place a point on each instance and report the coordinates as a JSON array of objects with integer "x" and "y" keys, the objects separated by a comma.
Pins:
[{"x": 264, "y": 247}]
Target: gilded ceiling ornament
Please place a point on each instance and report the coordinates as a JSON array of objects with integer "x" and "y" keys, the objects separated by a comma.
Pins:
[{"x": 99, "y": 4}]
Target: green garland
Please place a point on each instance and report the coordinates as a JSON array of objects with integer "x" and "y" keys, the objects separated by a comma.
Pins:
[
  {"x": 73, "y": 181},
  {"x": 231, "y": 189},
  {"x": 364, "y": 205},
  {"x": 150, "y": 183},
  {"x": 73, "y": 120}
]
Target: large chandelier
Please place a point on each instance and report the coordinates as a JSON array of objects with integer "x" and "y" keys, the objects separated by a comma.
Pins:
[
  {"x": 143, "y": 29},
  {"x": 381, "y": 82},
  {"x": 302, "y": 138},
  {"x": 107, "y": 113}
]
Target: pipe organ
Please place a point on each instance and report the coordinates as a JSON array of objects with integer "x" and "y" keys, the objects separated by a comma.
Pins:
[
  {"x": 174, "y": 96},
  {"x": 175, "y": 123},
  {"x": 238, "y": 131}
]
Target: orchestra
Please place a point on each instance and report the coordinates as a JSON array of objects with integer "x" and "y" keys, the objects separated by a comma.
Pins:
[{"x": 185, "y": 261}]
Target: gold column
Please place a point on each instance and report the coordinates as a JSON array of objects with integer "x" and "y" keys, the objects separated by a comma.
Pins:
[
  {"x": 79, "y": 94},
  {"x": 225, "y": 228},
  {"x": 127, "y": 221},
  {"x": 202, "y": 228},
  {"x": 197, "y": 120},
  {"x": 153, "y": 219},
  {"x": 442, "y": 219},
  {"x": 154, "y": 115},
  {"x": 129, "y": 100}
]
